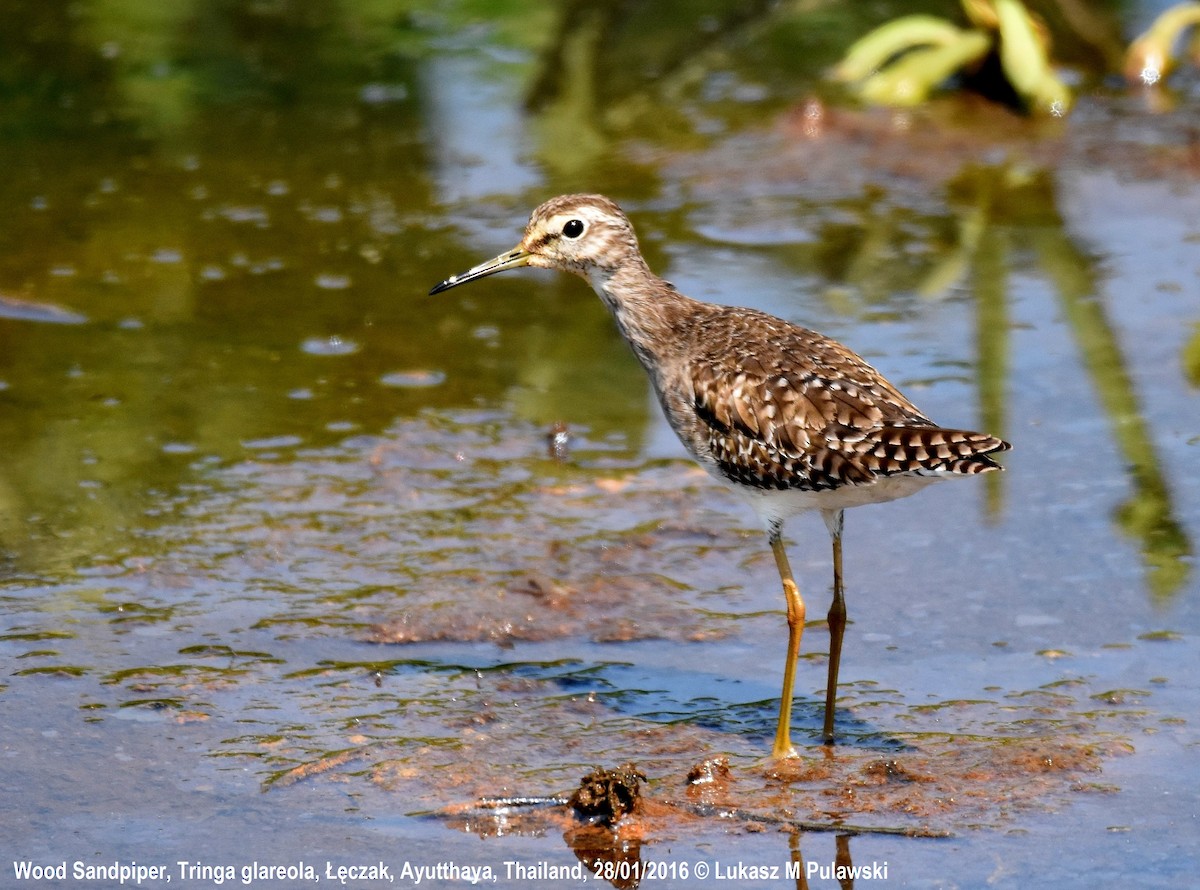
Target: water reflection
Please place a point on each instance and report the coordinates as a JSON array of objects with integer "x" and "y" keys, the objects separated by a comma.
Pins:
[
  {"x": 841, "y": 869},
  {"x": 1007, "y": 212},
  {"x": 1149, "y": 515},
  {"x": 1003, "y": 217},
  {"x": 619, "y": 854},
  {"x": 152, "y": 187},
  {"x": 175, "y": 230}
]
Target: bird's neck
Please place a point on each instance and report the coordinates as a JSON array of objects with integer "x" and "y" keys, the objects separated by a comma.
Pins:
[{"x": 647, "y": 309}]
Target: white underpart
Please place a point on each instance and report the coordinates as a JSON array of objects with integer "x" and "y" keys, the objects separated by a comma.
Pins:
[{"x": 773, "y": 506}]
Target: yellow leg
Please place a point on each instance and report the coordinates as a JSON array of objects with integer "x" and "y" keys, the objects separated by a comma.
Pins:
[
  {"x": 837, "y": 622},
  {"x": 795, "y": 618}
]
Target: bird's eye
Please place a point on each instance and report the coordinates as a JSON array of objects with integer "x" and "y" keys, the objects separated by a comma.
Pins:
[{"x": 573, "y": 228}]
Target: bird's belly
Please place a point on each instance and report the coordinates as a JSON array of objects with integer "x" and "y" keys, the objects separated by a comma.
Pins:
[{"x": 773, "y": 505}]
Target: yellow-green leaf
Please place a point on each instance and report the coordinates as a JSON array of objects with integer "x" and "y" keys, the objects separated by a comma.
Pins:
[
  {"x": 910, "y": 79},
  {"x": 1150, "y": 57},
  {"x": 871, "y": 52},
  {"x": 1191, "y": 357},
  {"x": 1146, "y": 61},
  {"x": 1022, "y": 54},
  {"x": 1052, "y": 95},
  {"x": 982, "y": 14}
]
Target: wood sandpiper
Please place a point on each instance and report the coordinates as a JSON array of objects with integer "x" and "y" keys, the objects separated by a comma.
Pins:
[{"x": 789, "y": 419}]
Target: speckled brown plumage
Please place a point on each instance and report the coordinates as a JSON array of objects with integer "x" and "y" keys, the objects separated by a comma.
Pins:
[
  {"x": 788, "y": 418},
  {"x": 771, "y": 405}
]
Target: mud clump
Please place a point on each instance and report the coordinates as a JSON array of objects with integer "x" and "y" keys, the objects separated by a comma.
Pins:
[
  {"x": 605, "y": 795},
  {"x": 885, "y": 772},
  {"x": 714, "y": 770}
]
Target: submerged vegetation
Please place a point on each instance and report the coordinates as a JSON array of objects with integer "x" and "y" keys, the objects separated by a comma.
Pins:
[
  {"x": 1005, "y": 53},
  {"x": 1152, "y": 56},
  {"x": 1006, "y": 50}
]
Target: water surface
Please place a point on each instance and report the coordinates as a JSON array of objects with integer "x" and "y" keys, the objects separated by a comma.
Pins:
[{"x": 289, "y": 569}]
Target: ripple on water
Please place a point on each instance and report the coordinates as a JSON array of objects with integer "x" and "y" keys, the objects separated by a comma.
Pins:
[
  {"x": 272, "y": 442},
  {"x": 331, "y": 281},
  {"x": 414, "y": 379},
  {"x": 332, "y": 345}
]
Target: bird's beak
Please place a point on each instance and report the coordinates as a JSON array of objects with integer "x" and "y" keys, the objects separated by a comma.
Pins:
[{"x": 513, "y": 259}]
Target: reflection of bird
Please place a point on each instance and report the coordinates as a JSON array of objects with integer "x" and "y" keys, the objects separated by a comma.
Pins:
[{"x": 791, "y": 420}]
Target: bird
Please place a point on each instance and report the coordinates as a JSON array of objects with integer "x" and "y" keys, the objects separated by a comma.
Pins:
[{"x": 789, "y": 419}]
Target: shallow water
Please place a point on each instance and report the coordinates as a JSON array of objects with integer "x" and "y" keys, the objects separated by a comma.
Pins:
[{"x": 290, "y": 569}]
